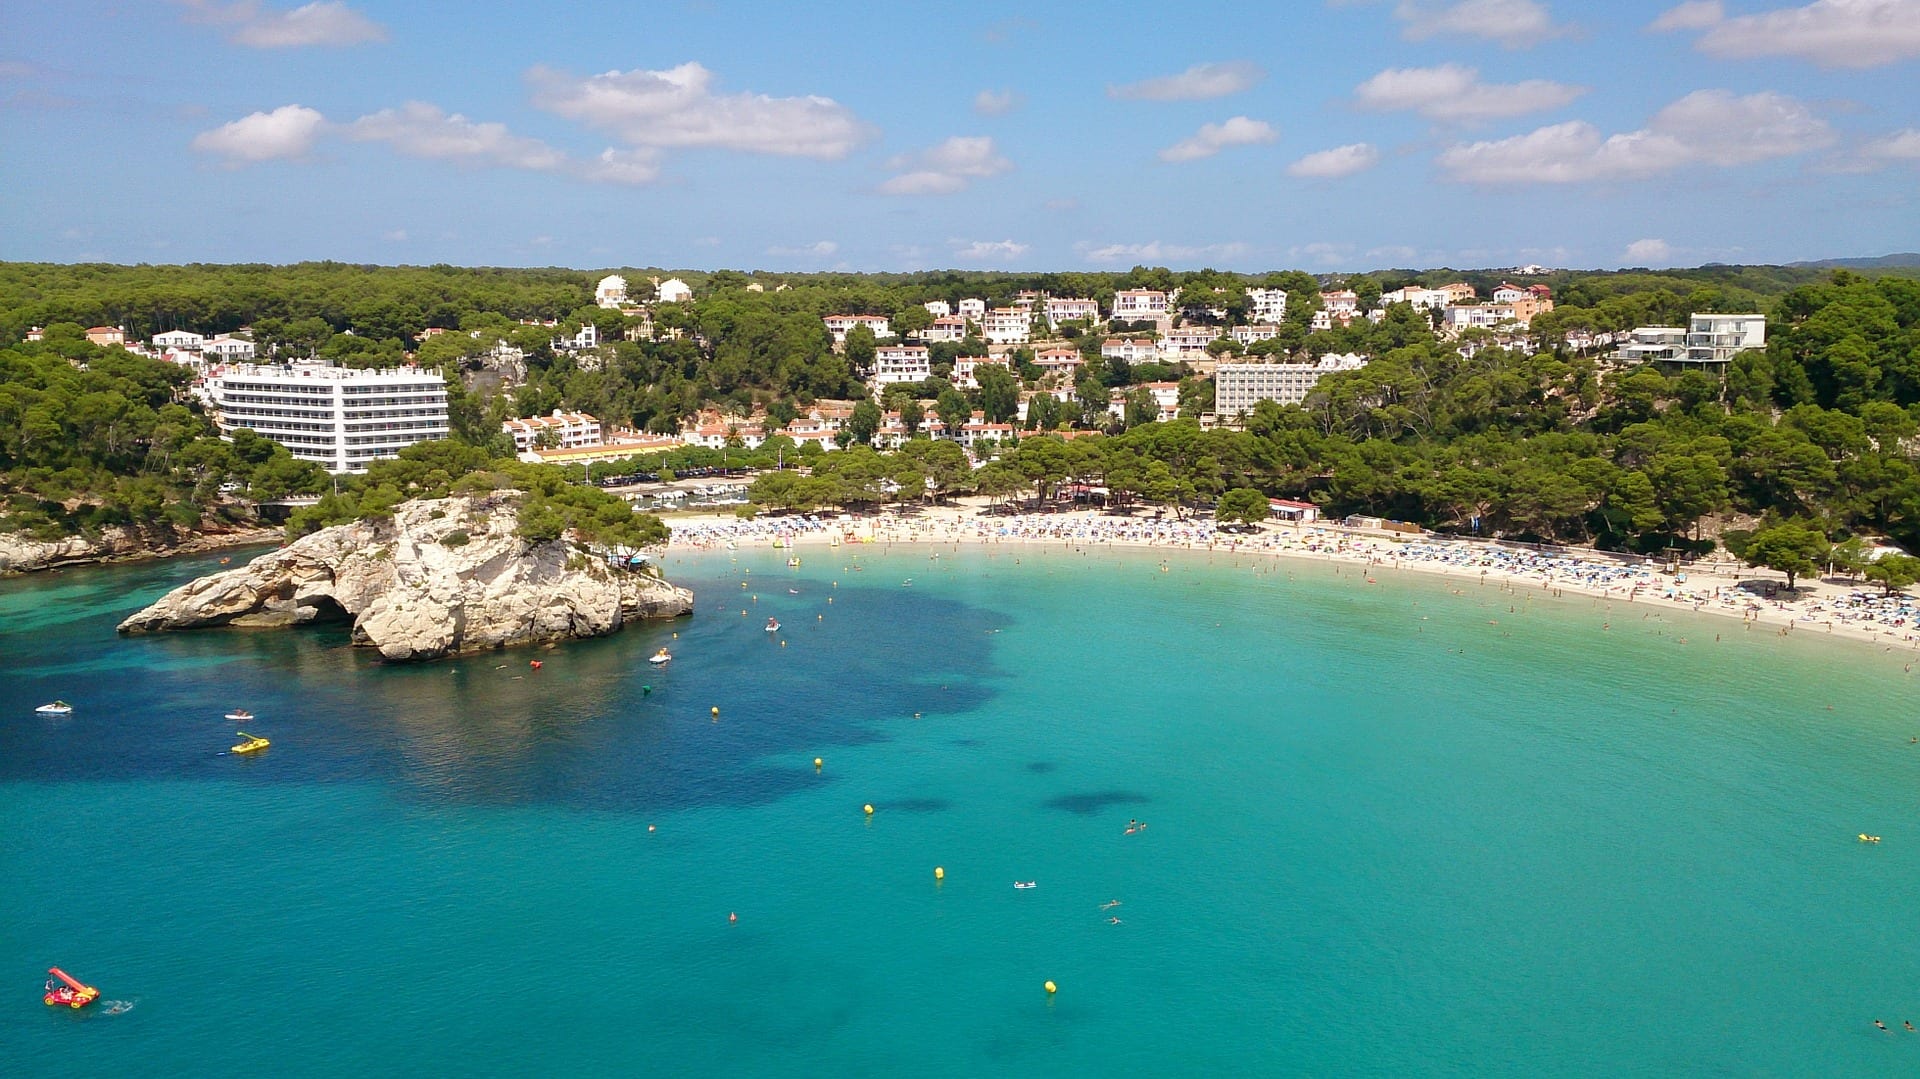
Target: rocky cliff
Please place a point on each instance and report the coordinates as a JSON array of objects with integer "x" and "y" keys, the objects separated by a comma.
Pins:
[
  {"x": 439, "y": 578},
  {"x": 22, "y": 554}
]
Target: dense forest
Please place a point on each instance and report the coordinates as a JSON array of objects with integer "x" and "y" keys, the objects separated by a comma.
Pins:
[{"x": 1815, "y": 432}]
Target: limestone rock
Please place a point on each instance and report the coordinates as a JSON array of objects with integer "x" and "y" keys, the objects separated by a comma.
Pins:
[{"x": 440, "y": 578}]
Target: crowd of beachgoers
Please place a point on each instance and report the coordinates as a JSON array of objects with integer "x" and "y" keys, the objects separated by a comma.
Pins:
[{"x": 1760, "y": 599}]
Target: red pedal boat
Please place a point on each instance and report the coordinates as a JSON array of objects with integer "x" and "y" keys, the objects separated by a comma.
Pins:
[{"x": 65, "y": 990}]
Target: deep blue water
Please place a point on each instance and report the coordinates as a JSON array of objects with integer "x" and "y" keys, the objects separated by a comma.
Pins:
[{"x": 1391, "y": 830}]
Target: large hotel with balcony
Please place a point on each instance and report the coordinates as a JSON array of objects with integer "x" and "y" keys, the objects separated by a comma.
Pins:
[{"x": 341, "y": 417}]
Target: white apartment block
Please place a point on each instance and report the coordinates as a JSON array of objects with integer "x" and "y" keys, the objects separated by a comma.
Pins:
[
  {"x": 1267, "y": 304},
  {"x": 338, "y": 416},
  {"x": 838, "y": 325},
  {"x": 1007, "y": 326},
  {"x": 1139, "y": 305},
  {"x": 1247, "y": 335},
  {"x": 1130, "y": 349},
  {"x": 972, "y": 309},
  {"x": 1419, "y": 298},
  {"x": 1719, "y": 338},
  {"x": 938, "y": 308},
  {"x": 226, "y": 349},
  {"x": 966, "y": 369},
  {"x": 1484, "y": 316},
  {"x": 1237, "y": 387},
  {"x": 1070, "y": 310},
  {"x": 1187, "y": 343},
  {"x": 1342, "y": 302},
  {"x": 566, "y": 431},
  {"x": 945, "y": 328},
  {"x": 184, "y": 340},
  {"x": 894, "y": 364},
  {"x": 1656, "y": 344}
]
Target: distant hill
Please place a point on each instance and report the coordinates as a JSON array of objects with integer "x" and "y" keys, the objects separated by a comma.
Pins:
[{"x": 1903, "y": 260}]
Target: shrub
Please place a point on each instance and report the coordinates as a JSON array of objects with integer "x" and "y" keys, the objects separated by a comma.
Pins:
[{"x": 455, "y": 538}]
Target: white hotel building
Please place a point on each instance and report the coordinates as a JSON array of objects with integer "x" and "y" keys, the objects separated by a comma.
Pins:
[
  {"x": 1237, "y": 387},
  {"x": 338, "y": 416}
]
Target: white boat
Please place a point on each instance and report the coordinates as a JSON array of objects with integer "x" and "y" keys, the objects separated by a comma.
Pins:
[
  {"x": 239, "y": 714},
  {"x": 659, "y": 657},
  {"x": 55, "y": 708},
  {"x": 773, "y": 625},
  {"x": 1023, "y": 885}
]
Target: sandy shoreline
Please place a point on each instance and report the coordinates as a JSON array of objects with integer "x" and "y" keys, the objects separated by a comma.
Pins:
[{"x": 1826, "y": 607}]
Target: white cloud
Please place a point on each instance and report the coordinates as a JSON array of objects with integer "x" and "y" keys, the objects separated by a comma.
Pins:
[
  {"x": 1453, "y": 93},
  {"x": 1515, "y": 24},
  {"x": 997, "y": 102},
  {"x": 1830, "y": 33},
  {"x": 1649, "y": 252},
  {"x": 418, "y": 129},
  {"x": 287, "y": 132},
  {"x": 986, "y": 250},
  {"x": 677, "y": 107},
  {"x": 1400, "y": 253},
  {"x": 394, "y": 236},
  {"x": 946, "y": 168},
  {"x": 1155, "y": 251},
  {"x": 251, "y": 23},
  {"x": 1336, "y": 163},
  {"x": 1197, "y": 83},
  {"x": 1213, "y": 138},
  {"x": 1707, "y": 127},
  {"x": 1899, "y": 146},
  {"x": 1691, "y": 15},
  {"x": 820, "y": 249}
]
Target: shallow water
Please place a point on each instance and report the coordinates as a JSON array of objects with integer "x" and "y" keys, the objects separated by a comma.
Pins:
[{"x": 1391, "y": 829}]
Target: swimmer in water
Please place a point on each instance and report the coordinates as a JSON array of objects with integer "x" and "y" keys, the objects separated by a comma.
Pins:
[
  {"x": 1908, "y": 1023},
  {"x": 1879, "y": 1024},
  {"x": 1110, "y": 904},
  {"x": 1116, "y": 921}
]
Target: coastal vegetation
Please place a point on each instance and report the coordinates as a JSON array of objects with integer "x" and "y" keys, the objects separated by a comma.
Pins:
[{"x": 1813, "y": 435}]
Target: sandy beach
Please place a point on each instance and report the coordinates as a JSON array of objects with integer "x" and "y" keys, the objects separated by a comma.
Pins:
[{"x": 1757, "y": 598}]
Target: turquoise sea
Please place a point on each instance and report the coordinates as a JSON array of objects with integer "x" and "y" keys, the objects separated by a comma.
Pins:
[{"x": 1418, "y": 827}]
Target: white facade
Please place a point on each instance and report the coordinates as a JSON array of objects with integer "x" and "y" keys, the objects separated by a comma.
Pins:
[
  {"x": 1007, "y": 326},
  {"x": 611, "y": 291},
  {"x": 1508, "y": 293},
  {"x": 569, "y": 430},
  {"x": 838, "y": 325},
  {"x": 1130, "y": 349},
  {"x": 673, "y": 290},
  {"x": 588, "y": 336},
  {"x": 341, "y": 417},
  {"x": 1343, "y": 302},
  {"x": 1060, "y": 361},
  {"x": 185, "y": 340},
  {"x": 1658, "y": 344},
  {"x": 1069, "y": 310},
  {"x": 901, "y": 363},
  {"x": 1267, "y": 304},
  {"x": 938, "y": 308},
  {"x": 1187, "y": 343},
  {"x": 1139, "y": 305},
  {"x": 1237, "y": 387},
  {"x": 226, "y": 349},
  {"x": 1166, "y": 399},
  {"x": 1483, "y": 316},
  {"x": 1719, "y": 338},
  {"x": 972, "y": 309},
  {"x": 966, "y": 369},
  {"x": 1247, "y": 335},
  {"x": 945, "y": 328},
  {"x": 1417, "y": 297}
]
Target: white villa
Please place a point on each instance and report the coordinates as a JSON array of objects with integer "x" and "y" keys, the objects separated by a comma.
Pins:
[
  {"x": 1007, "y": 326},
  {"x": 611, "y": 292},
  {"x": 945, "y": 328},
  {"x": 227, "y": 349},
  {"x": 966, "y": 367},
  {"x": 1130, "y": 349},
  {"x": 673, "y": 290},
  {"x": 893, "y": 364},
  {"x": 1060, "y": 361},
  {"x": 1139, "y": 305},
  {"x": 1247, "y": 335},
  {"x": 838, "y": 325},
  {"x": 1719, "y": 338},
  {"x": 184, "y": 340},
  {"x": 938, "y": 308},
  {"x": 1070, "y": 310},
  {"x": 1267, "y": 304},
  {"x": 1166, "y": 396},
  {"x": 564, "y": 430}
]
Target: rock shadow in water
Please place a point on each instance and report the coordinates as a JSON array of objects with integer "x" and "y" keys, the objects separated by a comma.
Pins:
[
  {"x": 1041, "y": 767},
  {"x": 1092, "y": 802}
]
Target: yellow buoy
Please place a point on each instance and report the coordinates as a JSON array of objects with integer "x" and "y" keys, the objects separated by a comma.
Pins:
[
  {"x": 939, "y": 873},
  {"x": 816, "y": 764},
  {"x": 716, "y": 709},
  {"x": 783, "y": 644},
  {"x": 1052, "y": 988},
  {"x": 869, "y": 808}
]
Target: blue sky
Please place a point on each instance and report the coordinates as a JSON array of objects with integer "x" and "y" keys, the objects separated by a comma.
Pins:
[{"x": 1323, "y": 135}]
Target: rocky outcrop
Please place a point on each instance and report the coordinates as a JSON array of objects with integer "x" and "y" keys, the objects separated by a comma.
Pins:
[
  {"x": 439, "y": 578},
  {"x": 21, "y": 554}
]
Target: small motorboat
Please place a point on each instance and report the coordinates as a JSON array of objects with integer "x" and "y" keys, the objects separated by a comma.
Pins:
[
  {"x": 794, "y": 562},
  {"x": 63, "y": 988},
  {"x": 55, "y": 708},
  {"x": 1023, "y": 885},
  {"x": 251, "y": 743},
  {"x": 773, "y": 625},
  {"x": 240, "y": 715},
  {"x": 660, "y": 657}
]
